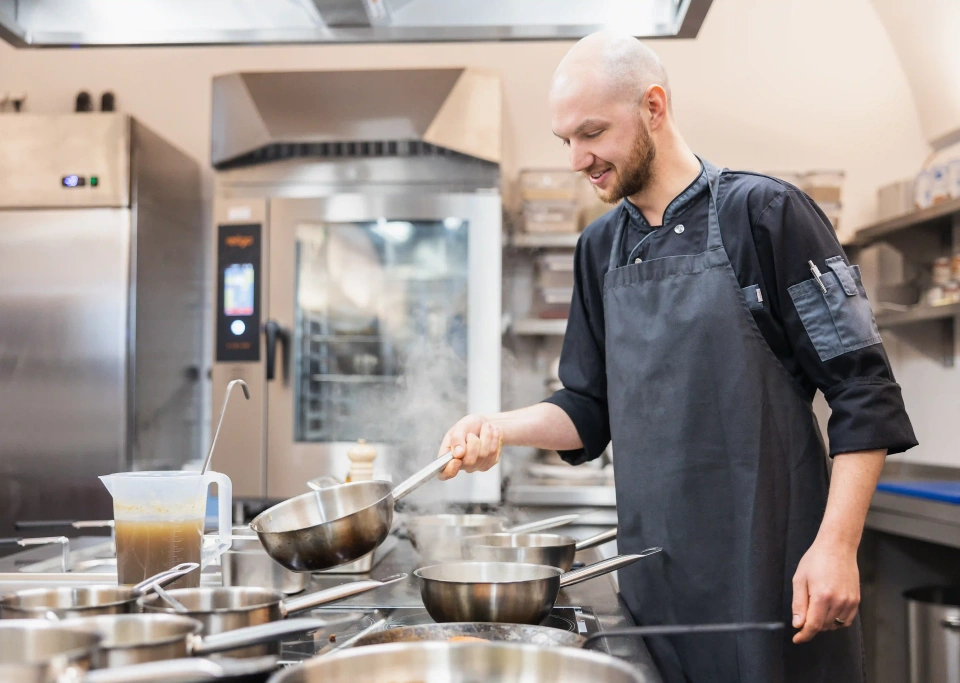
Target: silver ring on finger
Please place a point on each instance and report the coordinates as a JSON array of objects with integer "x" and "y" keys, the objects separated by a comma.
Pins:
[{"x": 839, "y": 622}]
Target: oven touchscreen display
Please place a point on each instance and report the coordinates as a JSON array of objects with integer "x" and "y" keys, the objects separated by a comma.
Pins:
[{"x": 238, "y": 288}]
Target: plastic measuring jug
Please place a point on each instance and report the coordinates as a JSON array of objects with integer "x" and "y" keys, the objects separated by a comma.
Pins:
[{"x": 158, "y": 522}]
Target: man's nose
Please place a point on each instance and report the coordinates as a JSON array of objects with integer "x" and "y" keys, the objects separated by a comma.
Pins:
[{"x": 580, "y": 158}]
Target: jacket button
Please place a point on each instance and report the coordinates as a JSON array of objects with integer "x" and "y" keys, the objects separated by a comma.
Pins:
[
  {"x": 639, "y": 260},
  {"x": 679, "y": 229}
]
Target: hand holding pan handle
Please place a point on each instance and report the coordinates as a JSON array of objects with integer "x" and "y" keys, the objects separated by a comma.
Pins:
[
  {"x": 674, "y": 630},
  {"x": 603, "y": 567},
  {"x": 422, "y": 477}
]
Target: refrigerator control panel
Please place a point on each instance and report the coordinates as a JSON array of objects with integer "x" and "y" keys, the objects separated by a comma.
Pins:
[{"x": 238, "y": 293}]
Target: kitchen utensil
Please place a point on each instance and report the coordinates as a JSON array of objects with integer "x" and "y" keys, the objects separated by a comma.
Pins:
[
  {"x": 39, "y": 651},
  {"x": 335, "y": 525},
  {"x": 223, "y": 410},
  {"x": 159, "y": 521},
  {"x": 438, "y": 537},
  {"x": 550, "y": 549},
  {"x": 189, "y": 670},
  {"x": 543, "y": 636},
  {"x": 169, "y": 599},
  {"x": 682, "y": 630},
  {"x": 506, "y": 592},
  {"x": 138, "y": 638},
  {"x": 461, "y": 662},
  {"x": 246, "y": 563},
  {"x": 84, "y": 601},
  {"x": 227, "y": 609}
]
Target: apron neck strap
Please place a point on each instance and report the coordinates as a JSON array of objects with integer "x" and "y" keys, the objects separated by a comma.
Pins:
[{"x": 714, "y": 240}]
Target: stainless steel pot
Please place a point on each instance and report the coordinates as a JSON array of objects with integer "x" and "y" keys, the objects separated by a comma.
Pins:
[
  {"x": 462, "y": 663},
  {"x": 506, "y": 592},
  {"x": 438, "y": 538},
  {"x": 138, "y": 638},
  {"x": 335, "y": 525},
  {"x": 246, "y": 563},
  {"x": 227, "y": 609},
  {"x": 40, "y": 651},
  {"x": 553, "y": 550},
  {"x": 84, "y": 601}
]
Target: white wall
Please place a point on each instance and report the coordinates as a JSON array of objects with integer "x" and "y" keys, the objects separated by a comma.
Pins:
[{"x": 768, "y": 85}]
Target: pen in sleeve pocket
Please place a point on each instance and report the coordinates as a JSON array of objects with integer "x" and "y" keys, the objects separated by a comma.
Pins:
[{"x": 816, "y": 276}]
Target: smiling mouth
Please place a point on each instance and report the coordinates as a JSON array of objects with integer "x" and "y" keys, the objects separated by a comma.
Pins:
[{"x": 598, "y": 176}]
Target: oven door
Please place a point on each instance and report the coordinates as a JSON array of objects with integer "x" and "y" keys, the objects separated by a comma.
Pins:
[{"x": 383, "y": 324}]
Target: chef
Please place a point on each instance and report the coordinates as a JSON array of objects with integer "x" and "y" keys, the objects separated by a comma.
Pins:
[{"x": 709, "y": 306}]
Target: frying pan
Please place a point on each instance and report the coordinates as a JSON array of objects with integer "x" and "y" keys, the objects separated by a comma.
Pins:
[
  {"x": 227, "y": 609},
  {"x": 84, "y": 601},
  {"x": 507, "y": 592},
  {"x": 553, "y": 550},
  {"x": 335, "y": 525}
]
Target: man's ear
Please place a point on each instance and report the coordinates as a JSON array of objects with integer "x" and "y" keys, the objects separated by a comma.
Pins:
[{"x": 655, "y": 105}]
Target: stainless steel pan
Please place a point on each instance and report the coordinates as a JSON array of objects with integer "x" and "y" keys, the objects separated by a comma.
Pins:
[
  {"x": 246, "y": 563},
  {"x": 553, "y": 550},
  {"x": 139, "y": 638},
  {"x": 438, "y": 538},
  {"x": 227, "y": 609},
  {"x": 505, "y": 592},
  {"x": 84, "y": 601},
  {"x": 462, "y": 663},
  {"x": 335, "y": 525}
]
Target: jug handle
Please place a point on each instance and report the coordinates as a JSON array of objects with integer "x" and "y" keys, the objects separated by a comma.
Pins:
[{"x": 223, "y": 539}]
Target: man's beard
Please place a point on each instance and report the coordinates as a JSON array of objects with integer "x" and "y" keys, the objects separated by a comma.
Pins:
[{"x": 637, "y": 170}]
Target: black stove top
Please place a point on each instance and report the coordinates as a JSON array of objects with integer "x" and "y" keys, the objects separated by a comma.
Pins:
[{"x": 346, "y": 626}]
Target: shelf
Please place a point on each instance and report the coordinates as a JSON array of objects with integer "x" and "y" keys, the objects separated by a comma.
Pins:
[
  {"x": 536, "y": 326},
  {"x": 876, "y": 231},
  {"x": 916, "y": 314},
  {"x": 928, "y": 329},
  {"x": 538, "y": 240}
]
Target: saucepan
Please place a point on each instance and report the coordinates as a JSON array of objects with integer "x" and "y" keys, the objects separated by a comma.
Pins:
[
  {"x": 506, "y": 592},
  {"x": 40, "y": 651},
  {"x": 227, "y": 609},
  {"x": 84, "y": 601},
  {"x": 246, "y": 563},
  {"x": 322, "y": 529},
  {"x": 553, "y": 550},
  {"x": 438, "y": 538}
]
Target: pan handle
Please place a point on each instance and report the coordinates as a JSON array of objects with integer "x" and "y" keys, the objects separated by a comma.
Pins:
[
  {"x": 422, "y": 477},
  {"x": 541, "y": 524},
  {"x": 255, "y": 635},
  {"x": 340, "y": 592},
  {"x": 674, "y": 630},
  {"x": 602, "y": 567},
  {"x": 599, "y": 539},
  {"x": 165, "y": 578},
  {"x": 189, "y": 670}
]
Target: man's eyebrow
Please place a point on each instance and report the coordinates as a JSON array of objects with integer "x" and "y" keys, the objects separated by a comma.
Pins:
[{"x": 587, "y": 123}]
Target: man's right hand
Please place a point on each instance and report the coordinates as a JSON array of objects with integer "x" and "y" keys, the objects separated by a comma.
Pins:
[{"x": 476, "y": 444}]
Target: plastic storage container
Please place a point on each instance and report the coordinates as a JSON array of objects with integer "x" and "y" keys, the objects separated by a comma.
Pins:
[
  {"x": 551, "y": 216},
  {"x": 933, "y": 634},
  {"x": 539, "y": 184}
]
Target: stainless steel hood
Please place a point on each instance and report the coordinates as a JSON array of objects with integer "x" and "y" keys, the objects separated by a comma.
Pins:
[
  {"x": 263, "y": 117},
  {"x": 87, "y": 23}
]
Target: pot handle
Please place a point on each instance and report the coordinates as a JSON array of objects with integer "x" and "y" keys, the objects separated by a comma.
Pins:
[
  {"x": 422, "y": 477},
  {"x": 189, "y": 670},
  {"x": 599, "y": 539},
  {"x": 165, "y": 578},
  {"x": 952, "y": 623},
  {"x": 602, "y": 567},
  {"x": 542, "y": 524},
  {"x": 254, "y": 635},
  {"x": 340, "y": 592},
  {"x": 674, "y": 630}
]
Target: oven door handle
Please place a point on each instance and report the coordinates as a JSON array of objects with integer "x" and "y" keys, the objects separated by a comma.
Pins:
[{"x": 274, "y": 333}]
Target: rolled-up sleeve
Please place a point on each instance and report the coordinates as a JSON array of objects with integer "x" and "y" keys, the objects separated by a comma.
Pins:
[
  {"x": 582, "y": 366},
  {"x": 833, "y": 334}
]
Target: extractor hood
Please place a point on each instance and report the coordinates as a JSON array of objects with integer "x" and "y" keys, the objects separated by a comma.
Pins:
[{"x": 89, "y": 23}]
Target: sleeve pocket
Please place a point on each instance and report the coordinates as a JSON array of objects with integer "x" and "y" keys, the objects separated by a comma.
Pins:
[
  {"x": 839, "y": 320},
  {"x": 753, "y": 297}
]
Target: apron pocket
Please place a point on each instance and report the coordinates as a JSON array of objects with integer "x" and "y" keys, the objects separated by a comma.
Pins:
[
  {"x": 753, "y": 297},
  {"x": 839, "y": 320}
]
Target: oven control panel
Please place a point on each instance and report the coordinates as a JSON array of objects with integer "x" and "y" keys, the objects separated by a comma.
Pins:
[{"x": 238, "y": 292}]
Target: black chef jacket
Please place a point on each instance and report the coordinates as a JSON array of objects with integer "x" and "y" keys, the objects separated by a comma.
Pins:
[{"x": 770, "y": 231}]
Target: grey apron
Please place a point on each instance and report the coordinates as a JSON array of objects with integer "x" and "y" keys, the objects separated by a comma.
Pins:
[{"x": 719, "y": 460}]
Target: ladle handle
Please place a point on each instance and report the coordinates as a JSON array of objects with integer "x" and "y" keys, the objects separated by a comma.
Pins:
[
  {"x": 340, "y": 592},
  {"x": 189, "y": 670},
  {"x": 255, "y": 635},
  {"x": 420, "y": 478},
  {"x": 602, "y": 567},
  {"x": 599, "y": 539},
  {"x": 541, "y": 524},
  {"x": 165, "y": 578},
  {"x": 674, "y": 630}
]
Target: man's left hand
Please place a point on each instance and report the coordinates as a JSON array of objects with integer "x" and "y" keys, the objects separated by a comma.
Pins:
[{"x": 826, "y": 590}]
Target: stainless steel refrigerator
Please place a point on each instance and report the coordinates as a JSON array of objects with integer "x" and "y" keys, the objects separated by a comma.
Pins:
[{"x": 101, "y": 274}]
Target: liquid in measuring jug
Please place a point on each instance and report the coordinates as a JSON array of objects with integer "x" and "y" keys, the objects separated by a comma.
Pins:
[{"x": 145, "y": 548}]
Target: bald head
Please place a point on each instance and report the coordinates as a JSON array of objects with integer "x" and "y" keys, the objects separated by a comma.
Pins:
[{"x": 623, "y": 65}]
